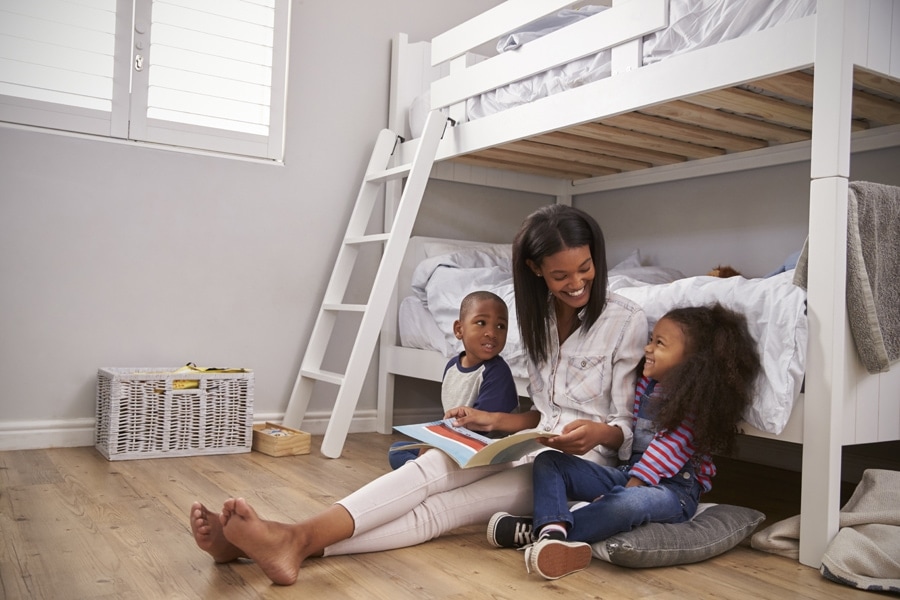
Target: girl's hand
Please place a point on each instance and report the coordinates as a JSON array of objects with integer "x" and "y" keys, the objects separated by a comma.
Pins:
[
  {"x": 472, "y": 418},
  {"x": 578, "y": 437}
]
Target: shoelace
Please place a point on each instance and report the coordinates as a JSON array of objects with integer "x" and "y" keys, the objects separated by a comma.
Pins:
[
  {"x": 527, "y": 550},
  {"x": 522, "y": 535}
]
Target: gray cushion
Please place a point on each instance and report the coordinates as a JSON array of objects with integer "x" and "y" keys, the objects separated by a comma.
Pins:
[{"x": 713, "y": 530}]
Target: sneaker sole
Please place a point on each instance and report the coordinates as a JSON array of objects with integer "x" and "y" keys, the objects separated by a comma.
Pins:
[
  {"x": 557, "y": 559},
  {"x": 492, "y": 524}
]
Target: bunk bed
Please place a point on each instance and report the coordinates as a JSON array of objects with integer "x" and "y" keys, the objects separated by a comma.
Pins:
[{"x": 698, "y": 110}]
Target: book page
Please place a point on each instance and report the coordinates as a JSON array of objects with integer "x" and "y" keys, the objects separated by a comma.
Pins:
[{"x": 470, "y": 449}]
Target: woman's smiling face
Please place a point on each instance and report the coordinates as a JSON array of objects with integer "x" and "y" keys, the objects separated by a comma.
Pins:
[{"x": 569, "y": 275}]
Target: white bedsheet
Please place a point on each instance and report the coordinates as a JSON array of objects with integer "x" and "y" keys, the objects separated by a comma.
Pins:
[
  {"x": 692, "y": 24},
  {"x": 775, "y": 310}
]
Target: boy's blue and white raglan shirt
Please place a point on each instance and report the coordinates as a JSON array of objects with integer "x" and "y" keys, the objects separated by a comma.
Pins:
[{"x": 487, "y": 386}]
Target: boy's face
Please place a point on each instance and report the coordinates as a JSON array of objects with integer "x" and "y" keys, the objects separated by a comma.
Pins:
[{"x": 482, "y": 330}]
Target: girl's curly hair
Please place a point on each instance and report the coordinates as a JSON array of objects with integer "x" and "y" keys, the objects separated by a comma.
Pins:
[{"x": 715, "y": 382}]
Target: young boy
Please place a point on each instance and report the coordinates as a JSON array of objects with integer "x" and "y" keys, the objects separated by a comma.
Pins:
[{"x": 478, "y": 376}]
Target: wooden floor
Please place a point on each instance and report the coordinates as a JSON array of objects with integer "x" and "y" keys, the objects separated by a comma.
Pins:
[{"x": 73, "y": 525}]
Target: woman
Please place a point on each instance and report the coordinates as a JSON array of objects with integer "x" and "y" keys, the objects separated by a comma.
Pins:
[{"x": 584, "y": 346}]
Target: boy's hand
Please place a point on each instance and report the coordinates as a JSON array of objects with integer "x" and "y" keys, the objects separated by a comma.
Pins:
[{"x": 472, "y": 418}]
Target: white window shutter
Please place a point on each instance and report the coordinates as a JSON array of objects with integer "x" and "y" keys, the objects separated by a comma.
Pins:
[
  {"x": 208, "y": 74},
  {"x": 209, "y": 79},
  {"x": 58, "y": 65}
]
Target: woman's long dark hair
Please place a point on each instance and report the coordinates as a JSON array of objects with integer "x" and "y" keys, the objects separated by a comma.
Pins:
[
  {"x": 545, "y": 232},
  {"x": 715, "y": 382}
]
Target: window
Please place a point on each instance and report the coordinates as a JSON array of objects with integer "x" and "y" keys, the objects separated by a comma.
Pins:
[{"x": 207, "y": 74}]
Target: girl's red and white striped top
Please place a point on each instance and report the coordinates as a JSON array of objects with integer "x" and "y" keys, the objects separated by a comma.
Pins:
[{"x": 670, "y": 450}]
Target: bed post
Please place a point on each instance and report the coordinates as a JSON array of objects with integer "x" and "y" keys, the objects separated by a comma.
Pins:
[
  {"x": 826, "y": 382},
  {"x": 401, "y": 93}
]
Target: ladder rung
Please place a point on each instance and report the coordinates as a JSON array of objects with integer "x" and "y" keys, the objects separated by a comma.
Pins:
[
  {"x": 345, "y": 307},
  {"x": 320, "y": 375},
  {"x": 365, "y": 239},
  {"x": 389, "y": 174}
]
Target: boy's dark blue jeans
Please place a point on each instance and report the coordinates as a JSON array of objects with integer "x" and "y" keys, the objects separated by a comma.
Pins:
[
  {"x": 398, "y": 458},
  {"x": 560, "y": 478}
]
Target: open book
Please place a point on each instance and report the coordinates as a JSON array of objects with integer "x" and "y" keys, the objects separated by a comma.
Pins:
[{"x": 470, "y": 449}]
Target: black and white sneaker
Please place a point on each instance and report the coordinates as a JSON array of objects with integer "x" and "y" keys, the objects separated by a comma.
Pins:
[{"x": 509, "y": 531}]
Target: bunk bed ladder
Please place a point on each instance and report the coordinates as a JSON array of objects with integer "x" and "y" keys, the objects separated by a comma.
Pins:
[{"x": 373, "y": 312}]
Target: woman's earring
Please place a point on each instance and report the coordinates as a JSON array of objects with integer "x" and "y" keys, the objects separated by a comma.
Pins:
[{"x": 537, "y": 273}]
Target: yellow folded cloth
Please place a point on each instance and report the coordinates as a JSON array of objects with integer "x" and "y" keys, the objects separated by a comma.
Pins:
[{"x": 188, "y": 384}]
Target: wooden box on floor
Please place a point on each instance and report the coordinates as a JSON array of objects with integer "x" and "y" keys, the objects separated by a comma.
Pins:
[{"x": 278, "y": 440}]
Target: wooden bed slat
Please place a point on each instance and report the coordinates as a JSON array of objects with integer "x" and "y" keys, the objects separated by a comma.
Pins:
[
  {"x": 685, "y": 132},
  {"x": 642, "y": 140},
  {"x": 590, "y": 144},
  {"x": 878, "y": 83},
  {"x": 722, "y": 121},
  {"x": 866, "y": 105},
  {"x": 508, "y": 155},
  {"x": 577, "y": 156},
  {"x": 796, "y": 86},
  {"x": 875, "y": 108},
  {"x": 480, "y": 161},
  {"x": 744, "y": 102}
]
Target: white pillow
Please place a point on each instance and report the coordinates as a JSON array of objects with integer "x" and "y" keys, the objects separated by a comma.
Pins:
[
  {"x": 545, "y": 25},
  {"x": 633, "y": 261},
  {"x": 776, "y": 316},
  {"x": 501, "y": 251}
]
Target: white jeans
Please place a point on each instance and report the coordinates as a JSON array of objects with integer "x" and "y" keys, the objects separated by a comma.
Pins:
[{"x": 430, "y": 496}]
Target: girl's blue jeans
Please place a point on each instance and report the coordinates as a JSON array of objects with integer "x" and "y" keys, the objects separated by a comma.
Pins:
[{"x": 560, "y": 478}]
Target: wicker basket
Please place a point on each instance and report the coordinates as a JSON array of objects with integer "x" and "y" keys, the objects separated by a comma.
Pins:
[{"x": 156, "y": 412}]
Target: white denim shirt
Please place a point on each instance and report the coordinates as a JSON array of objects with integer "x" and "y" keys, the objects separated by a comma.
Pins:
[{"x": 592, "y": 375}]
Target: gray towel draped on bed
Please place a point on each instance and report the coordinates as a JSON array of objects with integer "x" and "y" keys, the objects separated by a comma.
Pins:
[{"x": 873, "y": 272}]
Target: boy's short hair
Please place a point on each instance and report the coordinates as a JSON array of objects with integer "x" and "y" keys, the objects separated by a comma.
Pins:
[{"x": 466, "y": 305}]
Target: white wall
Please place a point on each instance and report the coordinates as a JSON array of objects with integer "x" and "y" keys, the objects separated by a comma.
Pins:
[{"x": 121, "y": 255}]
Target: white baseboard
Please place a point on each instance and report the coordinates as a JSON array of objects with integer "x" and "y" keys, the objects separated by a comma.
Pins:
[
  {"x": 71, "y": 433},
  {"x": 30, "y": 435}
]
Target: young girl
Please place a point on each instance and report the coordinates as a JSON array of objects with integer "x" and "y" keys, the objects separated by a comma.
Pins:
[
  {"x": 699, "y": 369},
  {"x": 584, "y": 346}
]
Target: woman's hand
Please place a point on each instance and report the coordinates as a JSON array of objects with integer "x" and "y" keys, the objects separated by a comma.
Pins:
[{"x": 580, "y": 436}]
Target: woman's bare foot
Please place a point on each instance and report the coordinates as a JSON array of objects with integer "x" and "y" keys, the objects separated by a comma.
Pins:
[
  {"x": 278, "y": 548},
  {"x": 207, "y": 529}
]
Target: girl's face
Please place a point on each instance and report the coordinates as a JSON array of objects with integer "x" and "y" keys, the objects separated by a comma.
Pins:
[
  {"x": 569, "y": 274},
  {"x": 666, "y": 349}
]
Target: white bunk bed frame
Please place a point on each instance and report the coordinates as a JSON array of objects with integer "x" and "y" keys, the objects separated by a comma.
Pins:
[{"x": 844, "y": 405}]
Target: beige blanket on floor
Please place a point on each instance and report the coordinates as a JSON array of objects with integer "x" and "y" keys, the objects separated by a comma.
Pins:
[
  {"x": 865, "y": 553},
  {"x": 873, "y": 265}
]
